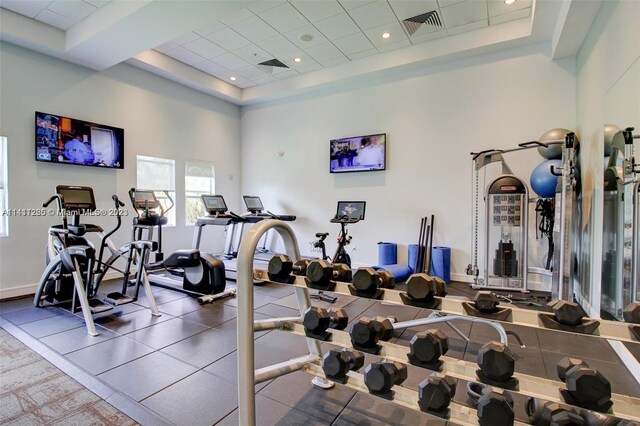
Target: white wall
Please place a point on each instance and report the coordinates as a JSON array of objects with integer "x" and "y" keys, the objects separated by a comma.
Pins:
[
  {"x": 433, "y": 119},
  {"x": 608, "y": 78},
  {"x": 160, "y": 118}
]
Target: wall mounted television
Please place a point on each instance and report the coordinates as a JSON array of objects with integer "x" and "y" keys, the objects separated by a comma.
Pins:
[
  {"x": 65, "y": 140},
  {"x": 358, "y": 153}
]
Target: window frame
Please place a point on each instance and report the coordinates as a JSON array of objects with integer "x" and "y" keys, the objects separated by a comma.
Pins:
[
  {"x": 158, "y": 191},
  {"x": 187, "y": 191}
]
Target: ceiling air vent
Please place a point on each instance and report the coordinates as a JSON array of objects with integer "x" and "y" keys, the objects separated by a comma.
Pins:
[
  {"x": 270, "y": 64},
  {"x": 430, "y": 18}
]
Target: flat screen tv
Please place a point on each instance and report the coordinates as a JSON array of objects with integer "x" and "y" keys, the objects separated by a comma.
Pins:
[
  {"x": 66, "y": 140},
  {"x": 358, "y": 153}
]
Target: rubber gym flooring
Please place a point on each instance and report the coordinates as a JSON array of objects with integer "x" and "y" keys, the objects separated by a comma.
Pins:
[{"x": 181, "y": 367}]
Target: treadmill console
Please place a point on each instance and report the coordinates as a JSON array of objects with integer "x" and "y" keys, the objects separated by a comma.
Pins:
[
  {"x": 214, "y": 204},
  {"x": 253, "y": 203}
]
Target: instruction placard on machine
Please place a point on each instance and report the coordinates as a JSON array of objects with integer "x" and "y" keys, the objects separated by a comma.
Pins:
[{"x": 507, "y": 210}]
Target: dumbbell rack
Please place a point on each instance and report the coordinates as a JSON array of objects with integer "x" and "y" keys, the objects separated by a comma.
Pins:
[{"x": 626, "y": 407}]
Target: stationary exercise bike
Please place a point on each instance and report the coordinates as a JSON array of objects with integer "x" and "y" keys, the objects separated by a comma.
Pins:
[
  {"x": 348, "y": 212},
  {"x": 74, "y": 272}
]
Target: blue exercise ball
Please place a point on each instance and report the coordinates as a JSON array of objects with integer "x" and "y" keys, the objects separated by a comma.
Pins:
[{"x": 542, "y": 181}]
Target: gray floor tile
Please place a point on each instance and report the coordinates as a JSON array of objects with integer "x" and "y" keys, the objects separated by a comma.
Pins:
[
  {"x": 634, "y": 348},
  {"x": 203, "y": 398},
  {"x": 164, "y": 296},
  {"x": 13, "y": 305},
  {"x": 24, "y": 316},
  {"x": 124, "y": 323},
  {"x": 277, "y": 311},
  {"x": 77, "y": 338},
  {"x": 53, "y": 325},
  {"x": 212, "y": 315},
  {"x": 291, "y": 343},
  {"x": 104, "y": 356},
  {"x": 167, "y": 333},
  {"x": 203, "y": 348},
  {"x": 575, "y": 345},
  {"x": 259, "y": 299},
  {"x": 231, "y": 326},
  {"x": 147, "y": 375},
  {"x": 180, "y": 307},
  {"x": 296, "y": 391},
  {"x": 402, "y": 313},
  {"x": 355, "y": 309},
  {"x": 270, "y": 412},
  {"x": 274, "y": 290}
]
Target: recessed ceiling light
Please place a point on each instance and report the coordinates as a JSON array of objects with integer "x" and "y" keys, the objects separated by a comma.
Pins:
[
  {"x": 297, "y": 60},
  {"x": 385, "y": 35},
  {"x": 509, "y": 1},
  {"x": 232, "y": 78}
]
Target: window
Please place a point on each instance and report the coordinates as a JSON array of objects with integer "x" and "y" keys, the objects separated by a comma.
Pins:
[
  {"x": 4, "y": 223},
  {"x": 199, "y": 179},
  {"x": 158, "y": 174}
]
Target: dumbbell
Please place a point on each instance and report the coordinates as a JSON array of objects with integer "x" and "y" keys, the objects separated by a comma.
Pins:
[
  {"x": 380, "y": 377},
  {"x": 426, "y": 347},
  {"x": 368, "y": 280},
  {"x": 337, "y": 363},
  {"x": 436, "y": 393},
  {"x": 366, "y": 333},
  {"x": 316, "y": 321},
  {"x": 566, "y": 312},
  {"x": 322, "y": 272},
  {"x": 423, "y": 287},
  {"x": 496, "y": 363},
  {"x": 281, "y": 266},
  {"x": 486, "y": 301},
  {"x": 545, "y": 413},
  {"x": 632, "y": 313},
  {"x": 495, "y": 408},
  {"x": 586, "y": 387}
]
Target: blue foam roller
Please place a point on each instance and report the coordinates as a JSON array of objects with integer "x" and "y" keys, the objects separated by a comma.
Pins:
[
  {"x": 413, "y": 257},
  {"x": 400, "y": 272},
  {"x": 387, "y": 253},
  {"x": 441, "y": 263}
]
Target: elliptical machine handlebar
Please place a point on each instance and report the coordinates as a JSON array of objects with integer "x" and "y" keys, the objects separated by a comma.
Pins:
[{"x": 119, "y": 203}]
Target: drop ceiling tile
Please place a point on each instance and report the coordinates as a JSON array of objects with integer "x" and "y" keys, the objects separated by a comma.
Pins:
[
  {"x": 518, "y": 14},
  {"x": 317, "y": 36},
  {"x": 253, "y": 54},
  {"x": 235, "y": 17},
  {"x": 324, "y": 52},
  {"x": 205, "y": 48},
  {"x": 337, "y": 26},
  {"x": 497, "y": 7},
  {"x": 394, "y": 46},
  {"x": 26, "y": 8},
  {"x": 245, "y": 84},
  {"x": 262, "y": 5},
  {"x": 409, "y": 8},
  {"x": 395, "y": 29},
  {"x": 445, "y": 3},
  {"x": 282, "y": 73},
  {"x": 305, "y": 66},
  {"x": 209, "y": 28},
  {"x": 468, "y": 27},
  {"x": 353, "y": 44},
  {"x": 74, "y": 10},
  {"x": 254, "y": 29},
  {"x": 373, "y": 15},
  {"x": 185, "y": 55},
  {"x": 53, "y": 19},
  {"x": 364, "y": 54},
  {"x": 97, "y": 3},
  {"x": 266, "y": 79},
  {"x": 170, "y": 45},
  {"x": 239, "y": 80},
  {"x": 334, "y": 62},
  {"x": 464, "y": 13},
  {"x": 317, "y": 10},
  {"x": 433, "y": 35},
  {"x": 284, "y": 18},
  {"x": 228, "y": 39},
  {"x": 352, "y": 4},
  {"x": 230, "y": 61},
  {"x": 279, "y": 46},
  {"x": 214, "y": 69},
  {"x": 251, "y": 73}
]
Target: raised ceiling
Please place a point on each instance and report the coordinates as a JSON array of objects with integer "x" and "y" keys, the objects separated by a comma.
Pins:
[{"x": 203, "y": 43}]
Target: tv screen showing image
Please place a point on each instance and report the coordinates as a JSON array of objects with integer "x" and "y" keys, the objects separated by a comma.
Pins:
[
  {"x": 358, "y": 153},
  {"x": 66, "y": 140}
]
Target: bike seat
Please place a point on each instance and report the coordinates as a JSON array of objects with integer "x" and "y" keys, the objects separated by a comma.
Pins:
[{"x": 322, "y": 234}]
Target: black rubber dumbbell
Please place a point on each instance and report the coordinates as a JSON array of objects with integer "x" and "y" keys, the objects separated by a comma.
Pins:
[
  {"x": 317, "y": 321},
  {"x": 566, "y": 312},
  {"x": 337, "y": 363},
  {"x": 421, "y": 287},
  {"x": 366, "y": 333},
  {"x": 322, "y": 272},
  {"x": 380, "y": 377},
  {"x": 541, "y": 412},
  {"x": 586, "y": 387},
  {"x": 281, "y": 266},
  {"x": 368, "y": 280},
  {"x": 486, "y": 301},
  {"x": 436, "y": 393},
  {"x": 426, "y": 348},
  {"x": 632, "y": 313},
  {"x": 496, "y": 363},
  {"x": 495, "y": 408}
]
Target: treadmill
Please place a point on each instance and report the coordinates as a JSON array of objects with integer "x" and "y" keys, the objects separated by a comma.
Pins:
[{"x": 255, "y": 213}]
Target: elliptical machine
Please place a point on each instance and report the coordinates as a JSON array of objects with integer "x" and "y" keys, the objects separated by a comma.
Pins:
[
  {"x": 74, "y": 272},
  {"x": 347, "y": 212},
  {"x": 189, "y": 271}
]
